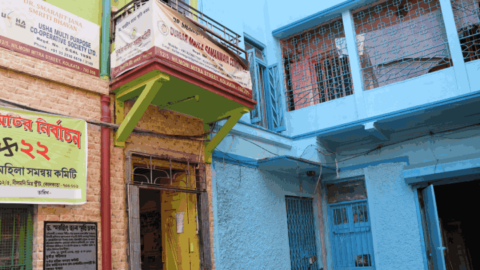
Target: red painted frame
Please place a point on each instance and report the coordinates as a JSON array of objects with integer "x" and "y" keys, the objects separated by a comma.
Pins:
[{"x": 183, "y": 74}]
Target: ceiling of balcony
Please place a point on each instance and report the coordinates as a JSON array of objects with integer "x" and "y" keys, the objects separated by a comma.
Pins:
[{"x": 405, "y": 125}]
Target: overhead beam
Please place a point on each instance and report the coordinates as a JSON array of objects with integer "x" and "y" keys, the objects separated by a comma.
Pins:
[
  {"x": 373, "y": 129},
  {"x": 150, "y": 90},
  {"x": 138, "y": 88},
  {"x": 233, "y": 117}
]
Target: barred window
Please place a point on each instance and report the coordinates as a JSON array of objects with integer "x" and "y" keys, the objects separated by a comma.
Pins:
[
  {"x": 316, "y": 65},
  {"x": 16, "y": 237},
  {"x": 467, "y": 20},
  {"x": 400, "y": 39}
]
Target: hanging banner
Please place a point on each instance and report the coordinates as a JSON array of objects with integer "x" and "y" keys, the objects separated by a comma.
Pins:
[
  {"x": 44, "y": 31},
  {"x": 156, "y": 30},
  {"x": 43, "y": 158}
]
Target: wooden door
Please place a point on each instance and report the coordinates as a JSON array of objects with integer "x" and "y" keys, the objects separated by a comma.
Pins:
[{"x": 180, "y": 243}]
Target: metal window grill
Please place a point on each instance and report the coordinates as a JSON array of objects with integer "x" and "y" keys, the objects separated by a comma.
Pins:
[
  {"x": 16, "y": 237},
  {"x": 301, "y": 232},
  {"x": 400, "y": 39},
  {"x": 161, "y": 173},
  {"x": 316, "y": 65},
  {"x": 467, "y": 21},
  {"x": 219, "y": 32}
]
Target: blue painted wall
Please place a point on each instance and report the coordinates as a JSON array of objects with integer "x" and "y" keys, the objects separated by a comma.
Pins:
[
  {"x": 258, "y": 19},
  {"x": 250, "y": 217},
  {"x": 251, "y": 226},
  {"x": 394, "y": 223}
]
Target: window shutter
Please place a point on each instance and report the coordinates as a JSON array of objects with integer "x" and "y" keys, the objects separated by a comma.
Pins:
[
  {"x": 274, "y": 100},
  {"x": 134, "y": 249},
  {"x": 255, "y": 114}
]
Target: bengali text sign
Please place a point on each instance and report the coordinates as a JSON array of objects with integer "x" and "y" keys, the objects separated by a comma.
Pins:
[
  {"x": 44, "y": 31},
  {"x": 43, "y": 158}
]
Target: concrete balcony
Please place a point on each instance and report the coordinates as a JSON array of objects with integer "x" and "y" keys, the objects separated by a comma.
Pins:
[{"x": 173, "y": 56}]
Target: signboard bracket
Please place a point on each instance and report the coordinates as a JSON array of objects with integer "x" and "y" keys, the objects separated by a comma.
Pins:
[
  {"x": 233, "y": 117},
  {"x": 147, "y": 90}
]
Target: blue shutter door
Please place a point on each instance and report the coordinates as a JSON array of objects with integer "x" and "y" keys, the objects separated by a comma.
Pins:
[
  {"x": 351, "y": 237},
  {"x": 301, "y": 232},
  {"x": 273, "y": 100},
  {"x": 434, "y": 232},
  {"x": 255, "y": 115}
]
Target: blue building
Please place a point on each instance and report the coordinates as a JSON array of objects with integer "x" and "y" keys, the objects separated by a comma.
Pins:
[{"x": 363, "y": 148}]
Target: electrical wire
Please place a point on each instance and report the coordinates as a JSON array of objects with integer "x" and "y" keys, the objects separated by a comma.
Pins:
[
  {"x": 363, "y": 153},
  {"x": 233, "y": 139},
  {"x": 260, "y": 147},
  {"x": 110, "y": 125}
]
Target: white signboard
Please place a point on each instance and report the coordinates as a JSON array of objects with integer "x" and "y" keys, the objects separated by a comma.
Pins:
[
  {"x": 157, "y": 31},
  {"x": 46, "y": 32}
]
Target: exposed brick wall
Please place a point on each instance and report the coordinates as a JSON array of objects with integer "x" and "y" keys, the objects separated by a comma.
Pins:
[
  {"x": 42, "y": 85},
  {"x": 48, "y": 71},
  {"x": 168, "y": 122}
]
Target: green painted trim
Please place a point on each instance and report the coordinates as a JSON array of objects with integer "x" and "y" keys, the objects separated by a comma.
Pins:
[
  {"x": 105, "y": 42},
  {"x": 13, "y": 240},
  {"x": 235, "y": 115},
  {"x": 29, "y": 255},
  {"x": 119, "y": 111},
  {"x": 127, "y": 93},
  {"x": 119, "y": 117},
  {"x": 138, "y": 81},
  {"x": 206, "y": 128},
  {"x": 194, "y": 4},
  {"x": 152, "y": 87}
]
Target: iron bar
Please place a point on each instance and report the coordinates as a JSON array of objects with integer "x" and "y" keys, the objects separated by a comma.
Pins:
[
  {"x": 316, "y": 65},
  {"x": 189, "y": 12}
]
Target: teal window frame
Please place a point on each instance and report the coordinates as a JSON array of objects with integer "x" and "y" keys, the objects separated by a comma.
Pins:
[
  {"x": 268, "y": 113},
  {"x": 20, "y": 243}
]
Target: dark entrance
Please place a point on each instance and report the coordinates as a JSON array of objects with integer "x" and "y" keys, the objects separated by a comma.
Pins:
[
  {"x": 150, "y": 230},
  {"x": 451, "y": 225},
  {"x": 457, "y": 207}
]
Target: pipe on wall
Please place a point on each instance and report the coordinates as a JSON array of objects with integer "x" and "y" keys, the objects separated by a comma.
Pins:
[
  {"x": 105, "y": 39},
  {"x": 105, "y": 206}
]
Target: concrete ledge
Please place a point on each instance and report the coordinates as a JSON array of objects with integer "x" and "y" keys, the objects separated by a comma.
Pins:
[
  {"x": 248, "y": 131},
  {"x": 447, "y": 168},
  {"x": 29, "y": 66}
]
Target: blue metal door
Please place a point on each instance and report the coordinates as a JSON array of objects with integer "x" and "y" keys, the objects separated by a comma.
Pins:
[
  {"x": 301, "y": 232},
  {"x": 352, "y": 245},
  {"x": 433, "y": 226}
]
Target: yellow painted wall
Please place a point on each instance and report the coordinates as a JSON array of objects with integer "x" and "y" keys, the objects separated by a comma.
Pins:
[{"x": 87, "y": 9}]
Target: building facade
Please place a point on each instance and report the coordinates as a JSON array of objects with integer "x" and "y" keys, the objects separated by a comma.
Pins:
[
  {"x": 377, "y": 99},
  {"x": 355, "y": 149}
]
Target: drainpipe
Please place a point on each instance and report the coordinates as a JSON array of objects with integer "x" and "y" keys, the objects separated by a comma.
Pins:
[
  {"x": 105, "y": 210},
  {"x": 105, "y": 205},
  {"x": 105, "y": 42}
]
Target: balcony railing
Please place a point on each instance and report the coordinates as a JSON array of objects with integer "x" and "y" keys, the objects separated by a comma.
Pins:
[
  {"x": 221, "y": 33},
  {"x": 316, "y": 65}
]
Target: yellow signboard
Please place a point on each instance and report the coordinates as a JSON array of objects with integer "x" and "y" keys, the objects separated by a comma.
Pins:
[{"x": 43, "y": 158}]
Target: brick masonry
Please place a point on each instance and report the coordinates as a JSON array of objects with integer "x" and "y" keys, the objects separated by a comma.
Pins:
[{"x": 42, "y": 85}]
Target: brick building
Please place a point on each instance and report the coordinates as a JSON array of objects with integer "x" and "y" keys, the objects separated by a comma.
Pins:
[{"x": 147, "y": 172}]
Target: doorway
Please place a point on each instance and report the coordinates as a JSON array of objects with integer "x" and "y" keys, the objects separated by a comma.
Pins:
[
  {"x": 163, "y": 216},
  {"x": 150, "y": 230},
  {"x": 456, "y": 235},
  {"x": 301, "y": 232},
  {"x": 350, "y": 227}
]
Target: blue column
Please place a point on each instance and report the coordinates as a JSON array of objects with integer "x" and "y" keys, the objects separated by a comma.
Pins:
[
  {"x": 455, "y": 48},
  {"x": 355, "y": 66},
  {"x": 105, "y": 40}
]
